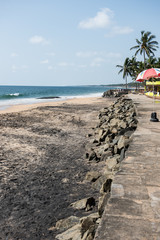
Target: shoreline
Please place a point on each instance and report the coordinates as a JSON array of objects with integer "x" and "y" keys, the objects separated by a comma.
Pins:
[{"x": 23, "y": 107}]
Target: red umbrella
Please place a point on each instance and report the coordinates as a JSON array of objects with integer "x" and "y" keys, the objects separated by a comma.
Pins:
[{"x": 146, "y": 75}]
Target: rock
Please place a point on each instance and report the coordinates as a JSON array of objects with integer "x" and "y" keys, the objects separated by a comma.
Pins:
[
  {"x": 92, "y": 156},
  {"x": 106, "y": 154},
  {"x": 92, "y": 176},
  {"x": 95, "y": 140},
  {"x": 114, "y": 122},
  {"x": 106, "y": 186},
  {"x": 102, "y": 203},
  {"x": 122, "y": 124},
  {"x": 88, "y": 224},
  {"x": 121, "y": 142},
  {"x": 66, "y": 223},
  {"x": 122, "y": 155},
  {"x": 100, "y": 150},
  {"x": 133, "y": 125},
  {"x": 73, "y": 233},
  {"x": 111, "y": 163},
  {"x": 65, "y": 180},
  {"x": 128, "y": 133},
  {"x": 86, "y": 203},
  {"x": 114, "y": 130},
  {"x": 89, "y": 135},
  {"x": 104, "y": 135},
  {"x": 98, "y": 184},
  {"x": 92, "y": 215},
  {"x": 101, "y": 131},
  {"x": 115, "y": 140}
]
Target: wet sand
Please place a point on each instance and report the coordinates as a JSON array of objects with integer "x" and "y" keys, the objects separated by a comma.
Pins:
[{"x": 42, "y": 164}]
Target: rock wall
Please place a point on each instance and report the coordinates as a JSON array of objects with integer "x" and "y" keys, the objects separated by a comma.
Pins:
[
  {"x": 115, "y": 92},
  {"x": 108, "y": 144}
]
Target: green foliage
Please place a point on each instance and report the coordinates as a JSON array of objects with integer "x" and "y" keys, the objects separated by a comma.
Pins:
[
  {"x": 146, "y": 46},
  {"x": 125, "y": 69}
]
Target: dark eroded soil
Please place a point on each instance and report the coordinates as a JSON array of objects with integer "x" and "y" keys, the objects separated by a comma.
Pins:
[{"x": 42, "y": 167}]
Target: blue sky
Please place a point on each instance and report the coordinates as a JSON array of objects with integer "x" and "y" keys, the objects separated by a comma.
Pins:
[{"x": 71, "y": 42}]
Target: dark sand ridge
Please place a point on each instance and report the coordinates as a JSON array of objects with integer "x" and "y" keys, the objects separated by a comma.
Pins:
[{"x": 42, "y": 164}]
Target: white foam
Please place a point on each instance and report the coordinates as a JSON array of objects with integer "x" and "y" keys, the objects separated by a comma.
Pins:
[{"x": 25, "y": 101}]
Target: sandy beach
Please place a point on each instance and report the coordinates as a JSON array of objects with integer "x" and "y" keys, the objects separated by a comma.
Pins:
[
  {"x": 42, "y": 164},
  {"x": 19, "y": 108}
]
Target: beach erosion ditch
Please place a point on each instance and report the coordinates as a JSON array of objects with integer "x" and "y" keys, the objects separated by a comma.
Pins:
[{"x": 108, "y": 143}]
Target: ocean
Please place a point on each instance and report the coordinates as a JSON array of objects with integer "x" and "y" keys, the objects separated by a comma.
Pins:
[{"x": 13, "y": 95}]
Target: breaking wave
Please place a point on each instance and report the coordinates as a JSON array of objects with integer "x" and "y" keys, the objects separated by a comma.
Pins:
[{"x": 11, "y": 96}]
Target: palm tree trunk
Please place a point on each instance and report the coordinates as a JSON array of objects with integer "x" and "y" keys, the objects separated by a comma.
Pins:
[
  {"x": 144, "y": 67},
  {"x": 126, "y": 83},
  {"x": 144, "y": 61}
]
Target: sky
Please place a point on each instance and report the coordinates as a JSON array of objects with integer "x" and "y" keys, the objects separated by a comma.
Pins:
[{"x": 71, "y": 42}]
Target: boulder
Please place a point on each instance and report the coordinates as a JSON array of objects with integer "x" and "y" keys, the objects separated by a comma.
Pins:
[
  {"x": 66, "y": 223},
  {"x": 73, "y": 233},
  {"x": 92, "y": 176},
  {"x": 106, "y": 186},
  {"x": 114, "y": 122},
  {"x": 106, "y": 154},
  {"x": 98, "y": 184},
  {"x": 92, "y": 156},
  {"x": 111, "y": 163},
  {"x": 104, "y": 135},
  {"x": 123, "y": 142},
  {"x": 114, "y": 130},
  {"x": 122, "y": 155},
  {"x": 86, "y": 204},
  {"x": 88, "y": 224},
  {"x": 102, "y": 202},
  {"x": 122, "y": 124}
]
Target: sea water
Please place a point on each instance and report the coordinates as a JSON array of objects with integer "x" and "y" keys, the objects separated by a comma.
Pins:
[{"x": 13, "y": 95}]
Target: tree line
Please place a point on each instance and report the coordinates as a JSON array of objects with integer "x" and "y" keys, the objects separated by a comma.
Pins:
[{"x": 146, "y": 46}]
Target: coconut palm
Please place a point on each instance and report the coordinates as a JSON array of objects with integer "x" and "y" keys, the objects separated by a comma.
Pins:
[
  {"x": 151, "y": 62},
  {"x": 125, "y": 69},
  {"x": 146, "y": 45},
  {"x": 158, "y": 63},
  {"x": 134, "y": 68}
]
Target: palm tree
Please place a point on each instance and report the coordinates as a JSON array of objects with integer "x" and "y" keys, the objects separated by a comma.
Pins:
[
  {"x": 146, "y": 45},
  {"x": 158, "y": 63},
  {"x": 125, "y": 69},
  {"x": 134, "y": 68},
  {"x": 151, "y": 62}
]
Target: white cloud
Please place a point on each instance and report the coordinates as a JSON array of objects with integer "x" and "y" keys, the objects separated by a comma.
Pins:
[
  {"x": 97, "y": 62},
  {"x": 14, "y": 68},
  {"x": 46, "y": 61},
  {"x": 103, "y": 19},
  {"x": 82, "y": 66},
  {"x": 52, "y": 54},
  {"x": 87, "y": 54},
  {"x": 25, "y": 68},
  {"x": 113, "y": 55},
  {"x": 117, "y": 30},
  {"x": 14, "y": 55},
  {"x": 38, "y": 40},
  {"x": 50, "y": 67},
  {"x": 98, "y": 54},
  {"x": 65, "y": 64}
]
